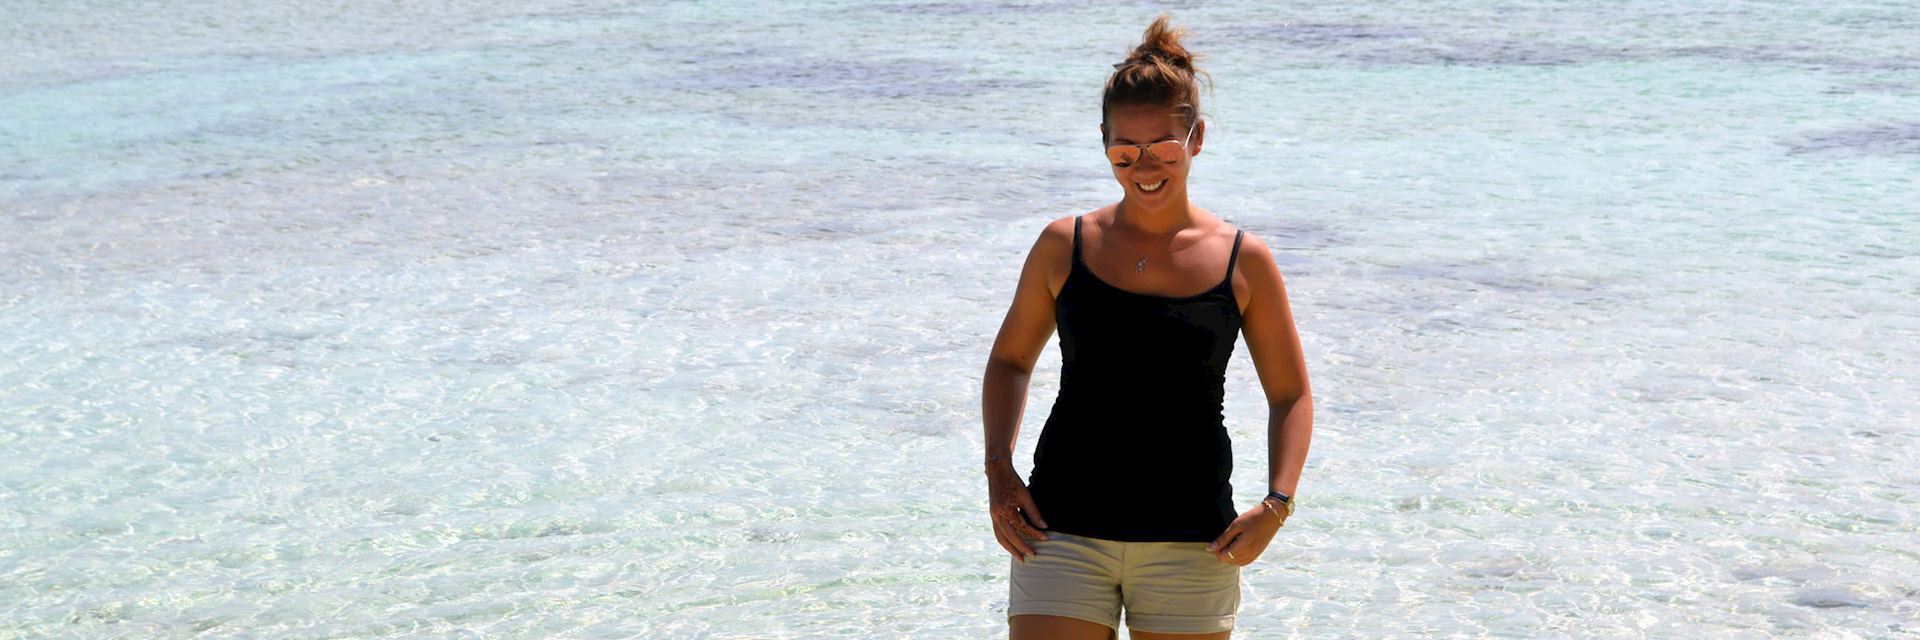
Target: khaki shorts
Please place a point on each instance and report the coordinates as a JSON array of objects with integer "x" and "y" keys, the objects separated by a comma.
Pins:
[{"x": 1165, "y": 587}]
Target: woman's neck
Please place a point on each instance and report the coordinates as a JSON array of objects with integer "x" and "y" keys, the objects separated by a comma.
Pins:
[{"x": 1160, "y": 222}]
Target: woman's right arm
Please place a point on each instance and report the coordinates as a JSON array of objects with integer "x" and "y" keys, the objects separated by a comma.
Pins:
[{"x": 1023, "y": 335}]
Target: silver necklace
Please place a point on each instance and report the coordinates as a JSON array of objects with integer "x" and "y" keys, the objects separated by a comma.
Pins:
[{"x": 1138, "y": 267}]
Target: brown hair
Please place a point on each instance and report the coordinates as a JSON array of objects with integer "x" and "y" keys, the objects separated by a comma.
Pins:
[{"x": 1159, "y": 72}]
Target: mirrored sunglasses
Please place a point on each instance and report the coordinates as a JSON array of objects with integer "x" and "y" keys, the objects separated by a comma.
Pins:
[{"x": 1165, "y": 151}]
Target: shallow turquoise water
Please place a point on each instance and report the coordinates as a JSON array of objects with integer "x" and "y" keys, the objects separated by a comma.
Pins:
[{"x": 589, "y": 319}]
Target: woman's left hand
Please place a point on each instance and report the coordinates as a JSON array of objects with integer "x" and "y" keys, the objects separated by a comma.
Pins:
[{"x": 1247, "y": 537}]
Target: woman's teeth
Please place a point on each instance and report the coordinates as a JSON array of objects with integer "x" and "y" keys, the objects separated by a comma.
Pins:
[{"x": 1150, "y": 188}]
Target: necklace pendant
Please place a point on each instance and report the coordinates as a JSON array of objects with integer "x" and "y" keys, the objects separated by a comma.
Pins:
[{"x": 1141, "y": 266}]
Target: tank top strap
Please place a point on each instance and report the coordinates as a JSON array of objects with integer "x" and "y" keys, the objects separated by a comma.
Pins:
[
  {"x": 1235, "y": 256},
  {"x": 1076, "y": 242}
]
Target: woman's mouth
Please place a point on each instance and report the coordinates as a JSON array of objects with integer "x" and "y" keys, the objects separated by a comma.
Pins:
[{"x": 1150, "y": 188}]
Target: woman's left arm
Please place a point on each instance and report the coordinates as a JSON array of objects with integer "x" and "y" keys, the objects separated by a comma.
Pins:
[{"x": 1272, "y": 341}]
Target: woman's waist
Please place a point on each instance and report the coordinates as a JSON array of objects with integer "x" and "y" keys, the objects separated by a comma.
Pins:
[
  {"x": 1139, "y": 410},
  {"x": 1197, "y": 451},
  {"x": 1129, "y": 392},
  {"x": 1194, "y": 488},
  {"x": 1137, "y": 372}
]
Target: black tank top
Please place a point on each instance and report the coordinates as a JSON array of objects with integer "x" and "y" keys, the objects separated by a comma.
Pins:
[{"x": 1135, "y": 448}]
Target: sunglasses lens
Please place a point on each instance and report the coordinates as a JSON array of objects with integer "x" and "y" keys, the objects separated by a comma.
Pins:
[
  {"x": 1123, "y": 155},
  {"x": 1167, "y": 151}
]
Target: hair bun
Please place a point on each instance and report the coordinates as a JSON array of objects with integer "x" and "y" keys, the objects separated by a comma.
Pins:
[
  {"x": 1161, "y": 44},
  {"x": 1143, "y": 55},
  {"x": 1160, "y": 71}
]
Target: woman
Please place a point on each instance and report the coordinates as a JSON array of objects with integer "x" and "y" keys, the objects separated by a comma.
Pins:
[{"x": 1128, "y": 506}]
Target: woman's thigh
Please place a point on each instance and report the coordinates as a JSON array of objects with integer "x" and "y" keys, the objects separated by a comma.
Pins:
[{"x": 1042, "y": 627}]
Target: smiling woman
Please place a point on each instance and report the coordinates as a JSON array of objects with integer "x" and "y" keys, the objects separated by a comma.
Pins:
[{"x": 1132, "y": 468}]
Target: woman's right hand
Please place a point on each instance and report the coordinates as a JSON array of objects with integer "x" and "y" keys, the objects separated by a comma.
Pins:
[{"x": 1011, "y": 506}]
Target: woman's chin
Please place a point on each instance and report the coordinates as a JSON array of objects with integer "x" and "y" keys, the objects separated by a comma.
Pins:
[{"x": 1152, "y": 199}]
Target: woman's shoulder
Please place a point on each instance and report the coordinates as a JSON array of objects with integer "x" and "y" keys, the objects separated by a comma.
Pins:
[
  {"x": 1057, "y": 237},
  {"x": 1255, "y": 259},
  {"x": 1222, "y": 228},
  {"x": 1254, "y": 254},
  {"x": 1059, "y": 229}
]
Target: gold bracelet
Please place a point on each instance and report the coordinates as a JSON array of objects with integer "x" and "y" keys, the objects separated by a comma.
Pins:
[{"x": 1276, "y": 512}]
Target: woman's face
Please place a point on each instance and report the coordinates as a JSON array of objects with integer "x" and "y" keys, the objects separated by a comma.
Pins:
[{"x": 1166, "y": 177}]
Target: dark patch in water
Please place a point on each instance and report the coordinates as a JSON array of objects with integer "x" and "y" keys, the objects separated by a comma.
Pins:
[
  {"x": 963, "y": 8},
  {"x": 1890, "y": 88},
  {"x": 1795, "y": 575},
  {"x": 819, "y": 230},
  {"x": 1887, "y": 139},
  {"x": 1286, "y": 236},
  {"x": 1318, "y": 36},
  {"x": 731, "y": 55},
  {"x": 727, "y": 70},
  {"x": 242, "y": 343},
  {"x": 1793, "y": 55},
  {"x": 763, "y": 533},
  {"x": 1403, "y": 45},
  {"x": 1827, "y": 598},
  {"x": 1503, "y": 568},
  {"x": 1489, "y": 53},
  {"x": 1483, "y": 275}
]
